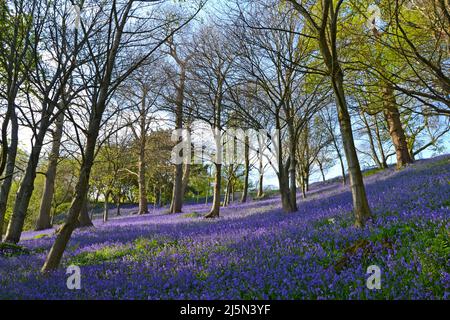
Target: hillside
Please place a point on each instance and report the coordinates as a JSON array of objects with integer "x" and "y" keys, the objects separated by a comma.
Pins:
[{"x": 256, "y": 251}]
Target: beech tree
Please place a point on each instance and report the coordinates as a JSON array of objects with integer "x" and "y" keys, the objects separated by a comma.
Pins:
[
  {"x": 325, "y": 28},
  {"x": 21, "y": 25},
  {"x": 111, "y": 64},
  {"x": 212, "y": 65}
]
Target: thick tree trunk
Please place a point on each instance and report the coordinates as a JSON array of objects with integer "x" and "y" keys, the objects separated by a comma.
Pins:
[
  {"x": 25, "y": 192},
  {"x": 23, "y": 196},
  {"x": 84, "y": 220},
  {"x": 360, "y": 204},
  {"x": 285, "y": 193},
  {"x": 247, "y": 169},
  {"x": 215, "y": 209},
  {"x": 9, "y": 169},
  {"x": 177, "y": 192},
  {"x": 44, "y": 220},
  {"x": 396, "y": 131},
  {"x": 4, "y": 143}
]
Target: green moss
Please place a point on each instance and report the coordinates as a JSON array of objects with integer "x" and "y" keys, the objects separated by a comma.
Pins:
[
  {"x": 371, "y": 172},
  {"x": 192, "y": 215},
  {"x": 40, "y": 236},
  {"x": 106, "y": 254},
  {"x": 138, "y": 249},
  {"x": 12, "y": 250}
]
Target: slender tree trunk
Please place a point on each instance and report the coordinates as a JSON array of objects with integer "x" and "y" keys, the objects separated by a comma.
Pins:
[
  {"x": 321, "y": 170},
  {"x": 303, "y": 184},
  {"x": 177, "y": 194},
  {"x": 375, "y": 158},
  {"x": 339, "y": 154},
  {"x": 10, "y": 168},
  {"x": 260, "y": 193},
  {"x": 143, "y": 204},
  {"x": 214, "y": 213},
  {"x": 227, "y": 196},
  {"x": 106, "y": 207},
  {"x": 44, "y": 220},
  {"x": 81, "y": 189},
  {"x": 247, "y": 169},
  {"x": 380, "y": 143},
  {"x": 292, "y": 166},
  {"x": 118, "y": 204},
  {"x": 186, "y": 176},
  {"x": 360, "y": 204},
  {"x": 56, "y": 252},
  {"x": 228, "y": 192},
  {"x": 396, "y": 131}
]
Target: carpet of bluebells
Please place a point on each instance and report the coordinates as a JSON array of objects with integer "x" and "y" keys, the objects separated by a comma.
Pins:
[{"x": 255, "y": 251}]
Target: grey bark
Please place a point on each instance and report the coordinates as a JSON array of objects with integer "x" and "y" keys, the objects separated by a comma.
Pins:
[
  {"x": 396, "y": 131},
  {"x": 247, "y": 169},
  {"x": 44, "y": 219},
  {"x": 10, "y": 168}
]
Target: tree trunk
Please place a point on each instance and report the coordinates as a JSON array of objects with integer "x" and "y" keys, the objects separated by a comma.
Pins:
[
  {"x": 285, "y": 193},
  {"x": 375, "y": 158},
  {"x": 247, "y": 169},
  {"x": 25, "y": 192},
  {"x": 229, "y": 188},
  {"x": 341, "y": 162},
  {"x": 360, "y": 204},
  {"x": 303, "y": 184},
  {"x": 44, "y": 220},
  {"x": 56, "y": 252},
  {"x": 215, "y": 209},
  {"x": 380, "y": 143},
  {"x": 106, "y": 207},
  {"x": 186, "y": 175},
  {"x": 143, "y": 205},
  {"x": 260, "y": 193},
  {"x": 177, "y": 193},
  {"x": 81, "y": 189},
  {"x": 396, "y": 131},
  {"x": 118, "y": 204},
  {"x": 9, "y": 169},
  {"x": 292, "y": 166},
  {"x": 321, "y": 170},
  {"x": 84, "y": 220}
]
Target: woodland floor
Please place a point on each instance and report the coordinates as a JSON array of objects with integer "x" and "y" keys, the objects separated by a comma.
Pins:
[{"x": 255, "y": 251}]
